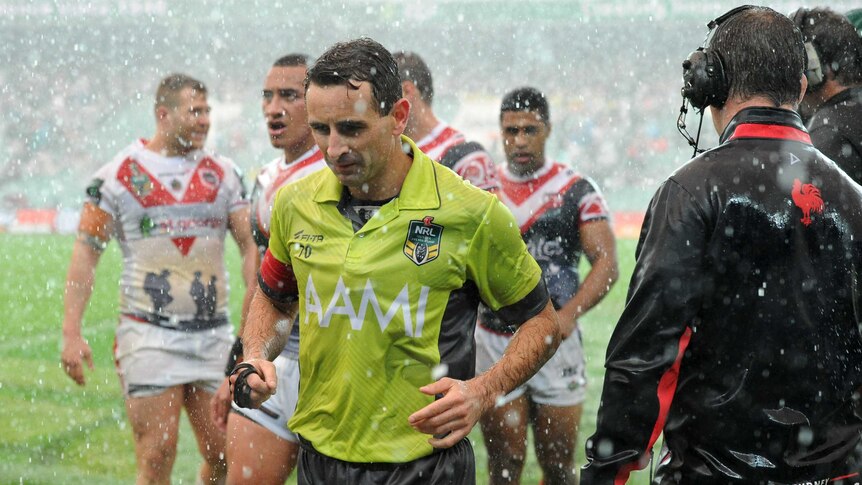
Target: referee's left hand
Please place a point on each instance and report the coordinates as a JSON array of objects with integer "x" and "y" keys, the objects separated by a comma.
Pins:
[{"x": 450, "y": 418}]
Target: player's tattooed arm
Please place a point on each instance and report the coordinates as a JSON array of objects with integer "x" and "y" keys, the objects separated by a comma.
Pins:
[
  {"x": 95, "y": 227},
  {"x": 94, "y": 232}
]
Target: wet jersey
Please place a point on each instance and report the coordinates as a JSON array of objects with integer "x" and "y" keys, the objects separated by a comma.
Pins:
[
  {"x": 170, "y": 218},
  {"x": 469, "y": 160},
  {"x": 740, "y": 337},
  {"x": 550, "y": 206},
  {"x": 272, "y": 177},
  {"x": 382, "y": 307}
]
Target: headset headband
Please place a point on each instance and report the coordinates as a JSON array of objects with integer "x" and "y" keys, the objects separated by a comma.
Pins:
[{"x": 713, "y": 24}]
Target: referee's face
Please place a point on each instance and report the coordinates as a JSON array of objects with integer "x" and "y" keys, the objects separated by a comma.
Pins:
[{"x": 358, "y": 143}]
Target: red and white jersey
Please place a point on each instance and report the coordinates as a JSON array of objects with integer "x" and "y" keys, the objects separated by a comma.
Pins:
[
  {"x": 551, "y": 206},
  {"x": 469, "y": 160},
  {"x": 170, "y": 218},
  {"x": 273, "y": 176}
]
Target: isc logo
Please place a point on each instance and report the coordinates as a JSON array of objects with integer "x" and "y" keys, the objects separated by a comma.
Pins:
[{"x": 342, "y": 304}]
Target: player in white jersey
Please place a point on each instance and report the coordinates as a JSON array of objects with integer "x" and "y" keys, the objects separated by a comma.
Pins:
[
  {"x": 169, "y": 204},
  {"x": 435, "y": 138},
  {"x": 562, "y": 217},
  {"x": 260, "y": 447}
]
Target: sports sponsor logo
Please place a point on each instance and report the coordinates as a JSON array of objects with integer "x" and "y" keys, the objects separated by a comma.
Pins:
[
  {"x": 423, "y": 241},
  {"x": 341, "y": 304}
]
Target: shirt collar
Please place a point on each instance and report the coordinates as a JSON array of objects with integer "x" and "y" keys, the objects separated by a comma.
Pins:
[
  {"x": 762, "y": 122},
  {"x": 419, "y": 190}
]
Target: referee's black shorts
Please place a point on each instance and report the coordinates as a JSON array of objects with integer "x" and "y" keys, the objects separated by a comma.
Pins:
[{"x": 452, "y": 466}]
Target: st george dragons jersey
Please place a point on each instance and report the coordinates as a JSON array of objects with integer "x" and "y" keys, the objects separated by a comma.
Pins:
[
  {"x": 550, "y": 206},
  {"x": 170, "y": 217},
  {"x": 469, "y": 160},
  {"x": 272, "y": 177}
]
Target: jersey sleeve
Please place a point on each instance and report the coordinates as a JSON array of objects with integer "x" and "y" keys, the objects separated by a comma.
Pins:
[
  {"x": 100, "y": 191},
  {"x": 279, "y": 226},
  {"x": 276, "y": 278},
  {"x": 237, "y": 196},
  {"x": 509, "y": 279},
  {"x": 472, "y": 163},
  {"x": 590, "y": 202},
  {"x": 647, "y": 345}
]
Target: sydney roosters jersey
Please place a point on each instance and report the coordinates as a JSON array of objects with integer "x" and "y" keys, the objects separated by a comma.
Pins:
[
  {"x": 474, "y": 165},
  {"x": 272, "y": 177},
  {"x": 550, "y": 206},
  {"x": 170, "y": 218}
]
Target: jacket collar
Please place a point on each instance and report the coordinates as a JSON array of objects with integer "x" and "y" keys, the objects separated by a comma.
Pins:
[
  {"x": 419, "y": 190},
  {"x": 762, "y": 122}
]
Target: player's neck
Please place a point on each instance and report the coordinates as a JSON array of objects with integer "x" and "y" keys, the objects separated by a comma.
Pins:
[
  {"x": 422, "y": 123},
  {"x": 167, "y": 146},
  {"x": 293, "y": 153}
]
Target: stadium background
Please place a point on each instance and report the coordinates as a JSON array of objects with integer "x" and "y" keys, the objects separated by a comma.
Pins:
[{"x": 77, "y": 80}]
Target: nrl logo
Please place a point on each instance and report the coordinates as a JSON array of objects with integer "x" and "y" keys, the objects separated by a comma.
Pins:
[
  {"x": 140, "y": 181},
  {"x": 423, "y": 241}
]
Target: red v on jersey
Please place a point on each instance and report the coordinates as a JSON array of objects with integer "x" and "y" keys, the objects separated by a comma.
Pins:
[
  {"x": 149, "y": 192},
  {"x": 528, "y": 200}
]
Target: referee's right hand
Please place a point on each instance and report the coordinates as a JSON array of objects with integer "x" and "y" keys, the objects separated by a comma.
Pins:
[
  {"x": 261, "y": 389},
  {"x": 76, "y": 351}
]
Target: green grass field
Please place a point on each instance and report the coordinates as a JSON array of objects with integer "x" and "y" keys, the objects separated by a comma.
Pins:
[{"x": 53, "y": 431}]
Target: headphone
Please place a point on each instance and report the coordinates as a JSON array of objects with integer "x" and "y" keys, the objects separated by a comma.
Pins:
[
  {"x": 813, "y": 69},
  {"x": 705, "y": 81}
]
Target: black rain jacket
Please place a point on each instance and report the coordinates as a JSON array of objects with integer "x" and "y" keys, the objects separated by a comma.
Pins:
[
  {"x": 836, "y": 130},
  {"x": 740, "y": 337}
]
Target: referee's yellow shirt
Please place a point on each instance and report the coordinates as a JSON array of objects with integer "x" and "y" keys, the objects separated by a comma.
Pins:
[{"x": 383, "y": 307}]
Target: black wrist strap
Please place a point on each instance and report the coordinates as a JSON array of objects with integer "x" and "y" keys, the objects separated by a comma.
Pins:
[{"x": 241, "y": 389}]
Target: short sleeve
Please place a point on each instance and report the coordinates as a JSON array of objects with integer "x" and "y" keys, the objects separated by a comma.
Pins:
[
  {"x": 502, "y": 268},
  {"x": 99, "y": 193},
  {"x": 279, "y": 227}
]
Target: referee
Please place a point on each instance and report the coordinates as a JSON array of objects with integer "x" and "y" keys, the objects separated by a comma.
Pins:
[{"x": 386, "y": 257}]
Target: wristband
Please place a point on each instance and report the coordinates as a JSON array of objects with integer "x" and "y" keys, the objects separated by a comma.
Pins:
[{"x": 241, "y": 389}]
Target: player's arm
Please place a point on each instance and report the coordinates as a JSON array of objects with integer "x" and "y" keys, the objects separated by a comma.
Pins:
[
  {"x": 240, "y": 230},
  {"x": 650, "y": 339},
  {"x": 93, "y": 236},
  {"x": 597, "y": 239}
]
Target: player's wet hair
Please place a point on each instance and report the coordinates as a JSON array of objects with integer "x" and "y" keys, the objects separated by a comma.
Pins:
[
  {"x": 167, "y": 94},
  {"x": 291, "y": 60},
  {"x": 358, "y": 60},
  {"x": 836, "y": 41},
  {"x": 762, "y": 54},
  {"x": 526, "y": 99},
  {"x": 412, "y": 68}
]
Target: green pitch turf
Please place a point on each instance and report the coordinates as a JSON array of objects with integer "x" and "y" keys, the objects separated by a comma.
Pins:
[{"x": 53, "y": 431}]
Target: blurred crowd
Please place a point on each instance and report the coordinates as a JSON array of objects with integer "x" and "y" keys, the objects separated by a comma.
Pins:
[{"x": 69, "y": 101}]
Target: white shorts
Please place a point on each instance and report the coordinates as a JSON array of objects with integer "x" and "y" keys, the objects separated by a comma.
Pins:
[
  {"x": 560, "y": 382},
  {"x": 278, "y": 409},
  {"x": 151, "y": 359}
]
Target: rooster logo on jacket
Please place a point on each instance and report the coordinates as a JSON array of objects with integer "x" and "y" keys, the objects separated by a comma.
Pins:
[{"x": 806, "y": 197}]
